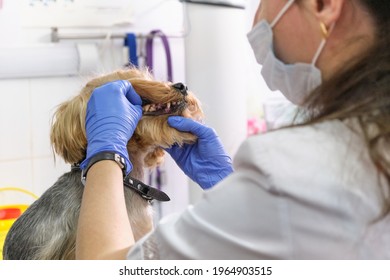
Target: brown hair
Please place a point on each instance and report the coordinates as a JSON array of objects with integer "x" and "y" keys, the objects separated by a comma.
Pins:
[{"x": 361, "y": 90}]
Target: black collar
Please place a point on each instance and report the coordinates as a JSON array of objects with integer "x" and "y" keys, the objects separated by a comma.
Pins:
[{"x": 147, "y": 192}]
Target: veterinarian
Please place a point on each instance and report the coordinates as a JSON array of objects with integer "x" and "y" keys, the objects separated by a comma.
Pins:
[{"x": 315, "y": 190}]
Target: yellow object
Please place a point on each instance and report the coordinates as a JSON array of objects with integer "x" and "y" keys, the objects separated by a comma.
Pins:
[{"x": 9, "y": 214}]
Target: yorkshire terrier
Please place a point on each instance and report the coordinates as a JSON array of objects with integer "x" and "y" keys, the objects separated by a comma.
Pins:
[{"x": 47, "y": 229}]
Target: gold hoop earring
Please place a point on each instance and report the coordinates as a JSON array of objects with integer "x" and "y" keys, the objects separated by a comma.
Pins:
[{"x": 324, "y": 30}]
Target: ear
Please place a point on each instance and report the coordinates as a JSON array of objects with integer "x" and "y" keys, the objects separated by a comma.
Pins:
[{"x": 328, "y": 11}]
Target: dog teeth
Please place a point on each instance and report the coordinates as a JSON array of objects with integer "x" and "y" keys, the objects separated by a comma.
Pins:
[
  {"x": 149, "y": 108},
  {"x": 159, "y": 107},
  {"x": 146, "y": 108}
]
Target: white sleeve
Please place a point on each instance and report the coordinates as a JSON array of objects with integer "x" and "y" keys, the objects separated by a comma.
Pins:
[
  {"x": 282, "y": 202},
  {"x": 239, "y": 218},
  {"x": 219, "y": 227}
]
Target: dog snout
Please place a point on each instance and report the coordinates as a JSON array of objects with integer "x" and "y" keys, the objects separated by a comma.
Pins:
[{"x": 182, "y": 88}]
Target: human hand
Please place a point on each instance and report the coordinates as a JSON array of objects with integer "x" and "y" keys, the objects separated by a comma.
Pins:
[
  {"x": 205, "y": 161},
  {"x": 113, "y": 112}
]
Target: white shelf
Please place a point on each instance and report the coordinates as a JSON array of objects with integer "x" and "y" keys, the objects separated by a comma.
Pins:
[{"x": 76, "y": 13}]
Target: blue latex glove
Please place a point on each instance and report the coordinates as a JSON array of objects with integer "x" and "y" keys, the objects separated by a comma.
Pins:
[
  {"x": 113, "y": 112},
  {"x": 205, "y": 161}
]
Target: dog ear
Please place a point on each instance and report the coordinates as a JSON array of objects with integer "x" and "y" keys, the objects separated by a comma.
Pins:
[{"x": 67, "y": 135}]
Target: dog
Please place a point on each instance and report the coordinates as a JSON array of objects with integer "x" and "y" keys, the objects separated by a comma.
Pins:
[{"x": 47, "y": 229}]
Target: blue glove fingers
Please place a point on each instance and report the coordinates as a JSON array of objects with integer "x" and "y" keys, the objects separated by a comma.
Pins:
[
  {"x": 205, "y": 161},
  {"x": 102, "y": 96},
  {"x": 130, "y": 94},
  {"x": 189, "y": 125}
]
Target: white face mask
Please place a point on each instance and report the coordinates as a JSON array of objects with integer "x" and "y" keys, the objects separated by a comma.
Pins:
[{"x": 295, "y": 81}]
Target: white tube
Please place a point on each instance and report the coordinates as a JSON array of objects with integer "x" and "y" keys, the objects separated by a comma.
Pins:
[
  {"x": 38, "y": 61},
  {"x": 48, "y": 60}
]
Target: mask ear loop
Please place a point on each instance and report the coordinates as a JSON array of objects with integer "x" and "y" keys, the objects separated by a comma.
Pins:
[
  {"x": 322, "y": 45},
  {"x": 281, "y": 13}
]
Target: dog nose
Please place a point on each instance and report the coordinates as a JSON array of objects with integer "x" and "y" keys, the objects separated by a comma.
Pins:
[{"x": 182, "y": 88}]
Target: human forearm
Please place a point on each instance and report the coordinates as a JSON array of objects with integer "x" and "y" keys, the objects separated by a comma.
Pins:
[{"x": 104, "y": 230}]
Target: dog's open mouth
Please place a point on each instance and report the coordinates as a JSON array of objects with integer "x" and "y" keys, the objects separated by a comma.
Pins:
[
  {"x": 151, "y": 109},
  {"x": 172, "y": 107}
]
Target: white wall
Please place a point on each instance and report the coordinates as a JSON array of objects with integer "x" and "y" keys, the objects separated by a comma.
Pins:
[{"x": 26, "y": 106}]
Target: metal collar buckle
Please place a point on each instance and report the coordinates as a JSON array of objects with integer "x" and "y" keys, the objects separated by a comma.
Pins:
[{"x": 147, "y": 192}]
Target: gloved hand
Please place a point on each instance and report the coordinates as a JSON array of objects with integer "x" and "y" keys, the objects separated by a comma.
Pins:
[
  {"x": 113, "y": 112},
  {"x": 205, "y": 161}
]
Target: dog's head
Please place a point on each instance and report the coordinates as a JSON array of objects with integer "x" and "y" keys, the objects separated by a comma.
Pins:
[{"x": 160, "y": 100}]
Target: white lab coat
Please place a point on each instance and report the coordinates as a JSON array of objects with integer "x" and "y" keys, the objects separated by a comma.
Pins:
[{"x": 299, "y": 193}]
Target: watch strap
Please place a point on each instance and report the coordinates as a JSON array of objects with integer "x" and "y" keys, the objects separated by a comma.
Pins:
[
  {"x": 147, "y": 192},
  {"x": 104, "y": 156}
]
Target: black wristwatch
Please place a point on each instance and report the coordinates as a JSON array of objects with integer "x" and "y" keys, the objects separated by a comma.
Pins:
[{"x": 104, "y": 156}]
